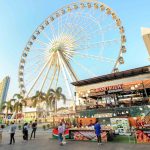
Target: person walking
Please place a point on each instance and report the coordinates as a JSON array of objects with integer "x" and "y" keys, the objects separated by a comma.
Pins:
[
  {"x": 34, "y": 127},
  {"x": 97, "y": 128},
  {"x": 12, "y": 132},
  {"x": 25, "y": 131},
  {"x": 64, "y": 128},
  {"x": 60, "y": 133}
]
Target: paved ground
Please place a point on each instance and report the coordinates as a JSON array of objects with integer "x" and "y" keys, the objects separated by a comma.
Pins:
[{"x": 44, "y": 142}]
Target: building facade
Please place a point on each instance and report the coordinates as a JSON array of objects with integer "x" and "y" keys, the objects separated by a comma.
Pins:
[
  {"x": 4, "y": 86},
  {"x": 124, "y": 92}
]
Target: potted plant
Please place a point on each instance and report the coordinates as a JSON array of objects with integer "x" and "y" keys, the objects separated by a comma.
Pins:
[
  {"x": 44, "y": 127},
  {"x": 19, "y": 127}
]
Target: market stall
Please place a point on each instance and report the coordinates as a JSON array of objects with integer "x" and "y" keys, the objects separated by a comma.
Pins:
[
  {"x": 55, "y": 133},
  {"x": 142, "y": 128},
  {"x": 87, "y": 134}
]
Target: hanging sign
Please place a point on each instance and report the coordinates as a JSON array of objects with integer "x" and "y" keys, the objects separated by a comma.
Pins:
[{"x": 107, "y": 88}]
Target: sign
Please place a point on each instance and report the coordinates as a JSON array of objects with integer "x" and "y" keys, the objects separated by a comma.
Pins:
[
  {"x": 107, "y": 88},
  {"x": 120, "y": 125}
]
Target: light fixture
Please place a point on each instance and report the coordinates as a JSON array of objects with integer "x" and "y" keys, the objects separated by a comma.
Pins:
[
  {"x": 88, "y": 91},
  {"x": 141, "y": 108}
]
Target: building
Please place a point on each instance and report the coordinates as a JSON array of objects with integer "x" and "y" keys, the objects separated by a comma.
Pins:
[
  {"x": 4, "y": 86},
  {"x": 120, "y": 93},
  {"x": 146, "y": 38}
]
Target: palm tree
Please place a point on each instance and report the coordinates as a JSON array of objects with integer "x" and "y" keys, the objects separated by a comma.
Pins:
[
  {"x": 19, "y": 105},
  {"x": 8, "y": 106},
  {"x": 49, "y": 100},
  {"x": 57, "y": 95},
  {"x": 38, "y": 97},
  {"x": 18, "y": 97}
]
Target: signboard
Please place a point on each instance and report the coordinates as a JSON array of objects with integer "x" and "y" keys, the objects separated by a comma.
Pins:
[
  {"x": 120, "y": 125},
  {"x": 107, "y": 88}
]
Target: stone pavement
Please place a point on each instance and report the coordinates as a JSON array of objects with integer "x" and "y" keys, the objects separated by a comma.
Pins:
[{"x": 44, "y": 142}]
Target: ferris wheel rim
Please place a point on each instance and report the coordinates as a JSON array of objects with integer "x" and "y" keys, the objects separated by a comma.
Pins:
[{"x": 29, "y": 45}]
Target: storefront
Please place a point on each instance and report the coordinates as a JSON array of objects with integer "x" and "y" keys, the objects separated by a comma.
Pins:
[
  {"x": 122, "y": 89},
  {"x": 115, "y": 99}
]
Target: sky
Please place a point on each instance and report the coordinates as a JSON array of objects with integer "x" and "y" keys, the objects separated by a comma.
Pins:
[{"x": 19, "y": 18}]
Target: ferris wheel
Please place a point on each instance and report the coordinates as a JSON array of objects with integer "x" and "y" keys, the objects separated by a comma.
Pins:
[{"x": 81, "y": 40}]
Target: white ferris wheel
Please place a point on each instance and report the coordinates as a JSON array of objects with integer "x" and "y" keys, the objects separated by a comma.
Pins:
[{"x": 80, "y": 40}]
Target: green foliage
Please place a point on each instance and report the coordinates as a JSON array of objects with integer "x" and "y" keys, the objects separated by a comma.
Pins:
[{"x": 44, "y": 127}]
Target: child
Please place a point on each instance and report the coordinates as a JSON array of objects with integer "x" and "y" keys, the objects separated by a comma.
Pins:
[{"x": 60, "y": 133}]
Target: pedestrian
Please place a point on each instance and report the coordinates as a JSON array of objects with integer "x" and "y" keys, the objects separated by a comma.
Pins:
[
  {"x": 12, "y": 132},
  {"x": 64, "y": 128},
  {"x": 60, "y": 133},
  {"x": 1, "y": 131},
  {"x": 25, "y": 131},
  {"x": 97, "y": 128},
  {"x": 34, "y": 127}
]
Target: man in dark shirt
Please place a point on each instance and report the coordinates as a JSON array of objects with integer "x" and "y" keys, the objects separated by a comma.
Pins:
[
  {"x": 97, "y": 128},
  {"x": 34, "y": 127}
]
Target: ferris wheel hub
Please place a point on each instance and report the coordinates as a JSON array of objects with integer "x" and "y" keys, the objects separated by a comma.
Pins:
[{"x": 62, "y": 43}]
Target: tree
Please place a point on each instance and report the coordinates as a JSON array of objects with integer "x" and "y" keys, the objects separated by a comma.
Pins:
[
  {"x": 37, "y": 98},
  {"x": 18, "y": 97},
  {"x": 57, "y": 95},
  {"x": 49, "y": 100},
  {"x": 8, "y": 106},
  {"x": 19, "y": 105}
]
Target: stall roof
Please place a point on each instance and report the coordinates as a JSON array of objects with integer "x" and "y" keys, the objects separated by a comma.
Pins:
[{"x": 114, "y": 76}]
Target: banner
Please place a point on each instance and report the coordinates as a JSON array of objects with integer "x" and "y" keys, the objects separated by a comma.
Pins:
[
  {"x": 143, "y": 136},
  {"x": 81, "y": 135}
]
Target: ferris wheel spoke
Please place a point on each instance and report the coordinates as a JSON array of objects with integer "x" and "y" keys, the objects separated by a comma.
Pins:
[
  {"x": 39, "y": 57},
  {"x": 31, "y": 66},
  {"x": 52, "y": 30},
  {"x": 39, "y": 75},
  {"x": 42, "y": 43},
  {"x": 101, "y": 43},
  {"x": 53, "y": 76},
  {"x": 66, "y": 68},
  {"x": 84, "y": 68},
  {"x": 46, "y": 36},
  {"x": 57, "y": 77},
  {"x": 42, "y": 50},
  {"x": 64, "y": 75},
  {"x": 100, "y": 58},
  {"x": 50, "y": 64}
]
